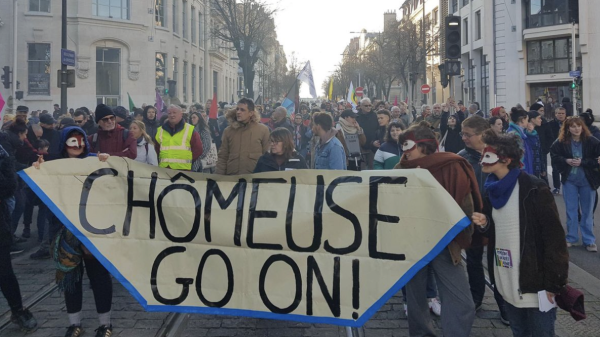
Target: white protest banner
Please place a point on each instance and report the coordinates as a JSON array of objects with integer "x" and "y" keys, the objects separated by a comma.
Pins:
[{"x": 307, "y": 245}]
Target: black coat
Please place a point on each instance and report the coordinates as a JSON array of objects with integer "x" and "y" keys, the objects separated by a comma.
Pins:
[
  {"x": 544, "y": 256},
  {"x": 454, "y": 142},
  {"x": 546, "y": 137},
  {"x": 8, "y": 185},
  {"x": 91, "y": 128},
  {"x": 267, "y": 163},
  {"x": 560, "y": 152},
  {"x": 369, "y": 124}
]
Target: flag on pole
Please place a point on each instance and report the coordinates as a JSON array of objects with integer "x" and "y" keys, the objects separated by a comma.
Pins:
[
  {"x": 159, "y": 105},
  {"x": 2, "y": 102},
  {"x": 131, "y": 104},
  {"x": 351, "y": 96},
  {"x": 330, "y": 94},
  {"x": 306, "y": 76},
  {"x": 291, "y": 100},
  {"x": 213, "y": 113}
]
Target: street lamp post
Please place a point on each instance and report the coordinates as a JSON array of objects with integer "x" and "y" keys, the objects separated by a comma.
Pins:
[{"x": 63, "y": 67}]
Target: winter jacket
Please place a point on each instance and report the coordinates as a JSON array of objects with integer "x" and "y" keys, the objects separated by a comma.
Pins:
[
  {"x": 387, "y": 156},
  {"x": 435, "y": 121},
  {"x": 242, "y": 145},
  {"x": 267, "y": 163},
  {"x": 284, "y": 124},
  {"x": 329, "y": 153},
  {"x": 91, "y": 128},
  {"x": 151, "y": 126},
  {"x": 8, "y": 186},
  {"x": 21, "y": 151},
  {"x": 560, "y": 152},
  {"x": 146, "y": 153},
  {"x": 527, "y": 159},
  {"x": 51, "y": 135},
  {"x": 473, "y": 157},
  {"x": 543, "y": 254},
  {"x": 595, "y": 131},
  {"x": 554, "y": 127},
  {"x": 453, "y": 142},
  {"x": 546, "y": 138},
  {"x": 301, "y": 138},
  {"x": 368, "y": 122},
  {"x": 114, "y": 142},
  {"x": 533, "y": 140}
]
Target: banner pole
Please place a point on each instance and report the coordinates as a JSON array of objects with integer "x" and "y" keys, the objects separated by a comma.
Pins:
[{"x": 349, "y": 332}]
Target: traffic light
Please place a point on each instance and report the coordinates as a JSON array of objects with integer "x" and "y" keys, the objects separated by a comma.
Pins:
[
  {"x": 166, "y": 91},
  {"x": 443, "y": 75},
  {"x": 453, "y": 48},
  {"x": 172, "y": 88},
  {"x": 19, "y": 95},
  {"x": 573, "y": 84},
  {"x": 6, "y": 77}
]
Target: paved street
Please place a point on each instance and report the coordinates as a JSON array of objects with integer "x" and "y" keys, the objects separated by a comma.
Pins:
[{"x": 130, "y": 320}]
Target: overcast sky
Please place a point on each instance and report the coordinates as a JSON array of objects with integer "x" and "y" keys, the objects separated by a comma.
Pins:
[{"x": 319, "y": 30}]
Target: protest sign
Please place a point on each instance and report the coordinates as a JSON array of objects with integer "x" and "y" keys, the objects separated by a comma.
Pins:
[{"x": 306, "y": 245}]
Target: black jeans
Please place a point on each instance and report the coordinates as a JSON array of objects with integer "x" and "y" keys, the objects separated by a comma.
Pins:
[
  {"x": 8, "y": 280},
  {"x": 555, "y": 177},
  {"x": 477, "y": 277},
  {"x": 101, "y": 286}
]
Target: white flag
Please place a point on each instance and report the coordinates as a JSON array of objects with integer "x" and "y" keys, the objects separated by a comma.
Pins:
[
  {"x": 351, "y": 96},
  {"x": 306, "y": 76}
]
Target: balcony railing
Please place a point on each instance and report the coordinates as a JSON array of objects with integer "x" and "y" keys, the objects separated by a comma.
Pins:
[{"x": 544, "y": 13}]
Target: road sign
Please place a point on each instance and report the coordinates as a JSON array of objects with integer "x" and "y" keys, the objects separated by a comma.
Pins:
[
  {"x": 575, "y": 73},
  {"x": 359, "y": 91},
  {"x": 452, "y": 68},
  {"x": 425, "y": 89},
  {"x": 353, "y": 257},
  {"x": 70, "y": 78},
  {"x": 67, "y": 57}
]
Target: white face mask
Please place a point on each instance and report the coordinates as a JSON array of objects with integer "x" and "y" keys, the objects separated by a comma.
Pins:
[
  {"x": 490, "y": 157},
  {"x": 408, "y": 145},
  {"x": 76, "y": 142}
]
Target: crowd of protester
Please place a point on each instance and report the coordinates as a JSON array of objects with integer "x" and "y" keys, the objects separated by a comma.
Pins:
[{"x": 494, "y": 164}]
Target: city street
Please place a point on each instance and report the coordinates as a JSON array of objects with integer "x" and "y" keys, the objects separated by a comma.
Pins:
[{"x": 130, "y": 320}]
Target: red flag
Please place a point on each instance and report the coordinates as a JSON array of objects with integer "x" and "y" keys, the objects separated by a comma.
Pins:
[
  {"x": 213, "y": 108},
  {"x": 1, "y": 103},
  {"x": 406, "y": 100},
  {"x": 396, "y": 101}
]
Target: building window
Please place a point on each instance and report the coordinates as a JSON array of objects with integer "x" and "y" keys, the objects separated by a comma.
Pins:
[
  {"x": 216, "y": 83},
  {"x": 108, "y": 76},
  {"x": 114, "y": 9},
  {"x": 200, "y": 86},
  {"x": 175, "y": 73},
  {"x": 184, "y": 19},
  {"x": 175, "y": 25},
  {"x": 193, "y": 25},
  {"x": 161, "y": 72},
  {"x": 549, "y": 56},
  {"x": 193, "y": 83},
  {"x": 38, "y": 67},
  {"x": 159, "y": 13},
  {"x": 465, "y": 2},
  {"x": 200, "y": 30},
  {"x": 466, "y": 31},
  {"x": 454, "y": 6},
  {"x": 435, "y": 16},
  {"x": 39, "y": 6},
  {"x": 485, "y": 84},
  {"x": 542, "y": 13},
  {"x": 478, "y": 25},
  {"x": 185, "y": 81},
  {"x": 471, "y": 80}
]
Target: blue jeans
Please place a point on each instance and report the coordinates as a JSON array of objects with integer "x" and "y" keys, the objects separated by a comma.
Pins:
[
  {"x": 578, "y": 196},
  {"x": 530, "y": 322},
  {"x": 431, "y": 286}
]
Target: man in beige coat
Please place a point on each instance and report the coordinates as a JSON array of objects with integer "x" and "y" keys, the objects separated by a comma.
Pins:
[{"x": 244, "y": 140}]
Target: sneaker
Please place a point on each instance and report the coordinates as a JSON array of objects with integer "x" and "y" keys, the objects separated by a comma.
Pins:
[
  {"x": 25, "y": 320},
  {"x": 17, "y": 239},
  {"x": 405, "y": 310},
  {"x": 104, "y": 331},
  {"x": 41, "y": 254},
  {"x": 504, "y": 317},
  {"x": 16, "y": 249},
  {"x": 74, "y": 331},
  {"x": 569, "y": 245},
  {"x": 435, "y": 306},
  {"x": 592, "y": 248},
  {"x": 556, "y": 191},
  {"x": 26, "y": 233}
]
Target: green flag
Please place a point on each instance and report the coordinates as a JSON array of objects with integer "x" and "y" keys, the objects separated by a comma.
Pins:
[{"x": 131, "y": 105}]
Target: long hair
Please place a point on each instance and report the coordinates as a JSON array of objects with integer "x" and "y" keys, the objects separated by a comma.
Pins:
[
  {"x": 565, "y": 135},
  {"x": 285, "y": 136},
  {"x": 142, "y": 127},
  {"x": 388, "y": 134}
]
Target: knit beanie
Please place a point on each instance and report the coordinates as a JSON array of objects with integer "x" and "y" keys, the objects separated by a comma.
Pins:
[
  {"x": 102, "y": 111},
  {"x": 121, "y": 112},
  {"x": 535, "y": 106}
]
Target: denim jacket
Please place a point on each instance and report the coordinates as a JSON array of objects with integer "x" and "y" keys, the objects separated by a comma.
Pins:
[{"x": 330, "y": 155}]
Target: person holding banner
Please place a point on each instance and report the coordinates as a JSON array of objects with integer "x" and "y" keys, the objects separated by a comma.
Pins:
[
  {"x": 71, "y": 257},
  {"x": 455, "y": 174},
  {"x": 150, "y": 120},
  {"x": 329, "y": 153},
  {"x": 527, "y": 252},
  {"x": 282, "y": 155},
  {"x": 352, "y": 137},
  {"x": 177, "y": 145}
]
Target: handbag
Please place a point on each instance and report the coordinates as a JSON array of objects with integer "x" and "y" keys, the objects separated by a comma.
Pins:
[{"x": 211, "y": 158}]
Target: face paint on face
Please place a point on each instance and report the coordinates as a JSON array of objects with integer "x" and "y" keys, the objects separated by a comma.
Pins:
[
  {"x": 490, "y": 157},
  {"x": 76, "y": 141}
]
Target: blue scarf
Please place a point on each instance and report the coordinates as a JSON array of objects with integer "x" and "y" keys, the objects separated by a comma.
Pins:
[{"x": 500, "y": 190}]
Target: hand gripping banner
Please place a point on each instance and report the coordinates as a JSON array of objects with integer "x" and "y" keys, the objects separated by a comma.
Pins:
[{"x": 307, "y": 245}]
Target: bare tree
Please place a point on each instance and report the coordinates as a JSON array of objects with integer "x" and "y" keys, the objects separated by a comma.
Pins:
[{"x": 249, "y": 26}]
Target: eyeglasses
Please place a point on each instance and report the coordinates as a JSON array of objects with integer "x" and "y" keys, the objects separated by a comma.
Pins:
[
  {"x": 108, "y": 119},
  {"x": 466, "y": 135}
]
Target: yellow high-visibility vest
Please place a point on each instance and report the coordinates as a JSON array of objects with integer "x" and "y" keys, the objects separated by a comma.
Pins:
[{"x": 176, "y": 150}]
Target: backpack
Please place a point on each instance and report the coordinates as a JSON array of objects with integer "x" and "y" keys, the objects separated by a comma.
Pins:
[{"x": 95, "y": 139}]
